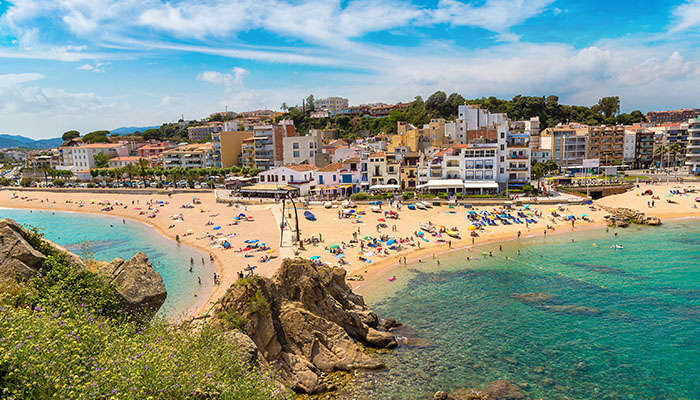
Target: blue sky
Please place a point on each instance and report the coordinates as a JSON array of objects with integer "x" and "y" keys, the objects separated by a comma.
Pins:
[{"x": 99, "y": 64}]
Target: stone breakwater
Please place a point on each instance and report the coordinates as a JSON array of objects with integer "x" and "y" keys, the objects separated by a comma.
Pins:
[
  {"x": 621, "y": 217},
  {"x": 307, "y": 319},
  {"x": 139, "y": 286}
]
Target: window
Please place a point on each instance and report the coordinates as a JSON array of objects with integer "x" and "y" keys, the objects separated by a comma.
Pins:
[
  {"x": 296, "y": 154},
  {"x": 291, "y": 178},
  {"x": 311, "y": 145},
  {"x": 295, "y": 145},
  {"x": 469, "y": 164},
  {"x": 311, "y": 153},
  {"x": 283, "y": 178},
  {"x": 478, "y": 164},
  {"x": 488, "y": 175}
]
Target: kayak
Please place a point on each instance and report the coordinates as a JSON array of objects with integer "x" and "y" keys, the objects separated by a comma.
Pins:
[
  {"x": 308, "y": 215},
  {"x": 375, "y": 209},
  {"x": 452, "y": 233}
]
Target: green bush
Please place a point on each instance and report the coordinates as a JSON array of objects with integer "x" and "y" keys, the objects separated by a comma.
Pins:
[
  {"x": 426, "y": 196},
  {"x": 90, "y": 185},
  {"x": 5, "y": 182},
  {"x": 59, "y": 182},
  {"x": 258, "y": 304},
  {"x": 442, "y": 195},
  {"x": 359, "y": 196},
  {"x": 25, "y": 182},
  {"x": 408, "y": 195}
]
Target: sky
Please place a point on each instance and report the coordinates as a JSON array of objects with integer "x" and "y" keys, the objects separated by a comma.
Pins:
[{"x": 100, "y": 64}]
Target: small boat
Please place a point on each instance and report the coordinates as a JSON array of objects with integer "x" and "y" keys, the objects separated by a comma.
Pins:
[
  {"x": 411, "y": 206},
  {"x": 327, "y": 204},
  {"x": 420, "y": 206},
  {"x": 426, "y": 204},
  {"x": 427, "y": 228},
  {"x": 375, "y": 209},
  {"x": 616, "y": 247},
  {"x": 452, "y": 233},
  {"x": 308, "y": 215}
]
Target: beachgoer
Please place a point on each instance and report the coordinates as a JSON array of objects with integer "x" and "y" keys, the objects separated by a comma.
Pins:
[
  {"x": 190, "y": 268},
  {"x": 519, "y": 234},
  {"x": 199, "y": 280},
  {"x": 500, "y": 248},
  {"x": 191, "y": 261}
]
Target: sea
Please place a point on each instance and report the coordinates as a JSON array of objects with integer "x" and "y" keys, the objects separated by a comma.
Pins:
[
  {"x": 567, "y": 318},
  {"x": 105, "y": 238}
]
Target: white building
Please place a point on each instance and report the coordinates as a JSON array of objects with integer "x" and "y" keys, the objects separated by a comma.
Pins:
[
  {"x": 332, "y": 104},
  {"x": 83, "y": 157},
  {"x": 343, "y": 153},
  {"x": 302, "y": 177},
  {"x": 693, "y": 149},
  {"x": 300, "y": 149},
  {"x": 189, "y": 156},
  {"x": 629, "y": 150},
  {"x": 197, "y": 133},
  {"x": 118, "y": 162}
]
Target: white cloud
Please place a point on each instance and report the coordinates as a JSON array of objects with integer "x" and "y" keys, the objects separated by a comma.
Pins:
[
  {"x": 98, "y": 66},
  {"x": 685, "y": 16},
  {"x": 8, "y": 80},
  {"x": 236, "y": 95}
]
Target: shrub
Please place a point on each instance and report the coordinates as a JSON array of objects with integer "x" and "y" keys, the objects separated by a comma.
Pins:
[
  {"x": 426, "y": 196},
  {"x": 59, "y": 182},
  {"x": 408, "y": 195},
  {"x": 258, "y": 304},
  {"x": 359, "y": 196},
  {"x": 232, "y": 319},
  {"x": 5, "y": 182},
  {"x": 25, "y": 182},
  {"x": 90, "y": 185},
  {"x": 442, "y": 195}
]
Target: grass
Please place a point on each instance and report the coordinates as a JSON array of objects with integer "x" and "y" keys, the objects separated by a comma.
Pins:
[{"x": 63, "y": 335}]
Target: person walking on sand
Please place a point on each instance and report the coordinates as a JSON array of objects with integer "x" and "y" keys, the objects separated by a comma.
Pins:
[
  {"x": 472, "y": 241},
  {"x": 519, "y": 233}
]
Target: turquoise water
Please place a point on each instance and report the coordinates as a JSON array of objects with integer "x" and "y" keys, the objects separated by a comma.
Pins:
[
  {"x": 638, "y": 336},
  {"x": 109, "y": 237}
]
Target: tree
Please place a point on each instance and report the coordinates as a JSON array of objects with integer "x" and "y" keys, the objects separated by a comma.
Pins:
[
  {"x": 310, "y": 106},
  {"x": 70, "y": 135},
  {"x": 675, "y": 149},
  {"x": 101, "y": 160},
  {"x": 284, "y": 107},
  {"x": 97, "y": 137},
  {"x": 143, "y": 164},
  {"x": 660, "y": 151},
  {"x": 153, "y": 133},
  {"x": 608, "y": 106}
]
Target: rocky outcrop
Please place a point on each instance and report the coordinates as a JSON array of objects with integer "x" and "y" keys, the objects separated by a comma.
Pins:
[
  {"x": 620, "y": 217},
  {"x": 140, "y": 287},
  {"x": 18, "y": 259},
  {"x": 496, "y": 390},
  {"x": 307, "y": 318},
  {"x": 245, "y": 344}
]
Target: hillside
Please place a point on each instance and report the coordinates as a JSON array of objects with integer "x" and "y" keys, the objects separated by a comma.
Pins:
[
  {"x": 27, "y": 143},
  {"x": 128, "y": 130}
]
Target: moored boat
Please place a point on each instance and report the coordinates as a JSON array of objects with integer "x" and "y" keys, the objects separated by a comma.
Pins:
[{"x": 308, "y": 215}]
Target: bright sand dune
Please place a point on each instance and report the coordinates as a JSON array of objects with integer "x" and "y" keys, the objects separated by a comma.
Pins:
[{"x": 330, "y": 228}]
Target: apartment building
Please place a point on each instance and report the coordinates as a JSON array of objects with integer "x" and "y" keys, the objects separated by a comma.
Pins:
[
  {"x": 150, "y": 150},
  {"x": 463, "y": 168},
  {"x": 568, "y": 144},
  {"x": 409, "y": 170},
  {"x": 606, "y": 143},
  {"x": 269, "y": 146},
  {"x": 644, "y": 148},
  {"x": 189, "y": 156},
  {"x": 333, "y": 105},
  {"x": 300, "y": 149},
  {"x": 475, "y": 123},
  {"x": 226, "y": 147},
  {"x": 630, "y": 147},
  {"x": 383, "y": 171},
  {"x": 518, "y": 161},
  {"x": 693, "y": 149},
  {"x": 673, "y": 116},
  {"x": 118, "y": 162},
  {"x": 83, "y": 157},
  {"x": 201, "y": 132}
]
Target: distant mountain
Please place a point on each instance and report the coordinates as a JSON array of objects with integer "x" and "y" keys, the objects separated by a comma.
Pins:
[
  {"x": 27, "y": 143},
  {"x": 128, "y": 130}
]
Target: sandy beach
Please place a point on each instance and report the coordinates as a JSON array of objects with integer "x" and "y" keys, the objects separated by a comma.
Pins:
[{"x": 330, "y": 229}]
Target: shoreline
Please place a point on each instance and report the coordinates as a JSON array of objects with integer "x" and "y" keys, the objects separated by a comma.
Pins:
[{"x": 153, "y": 226}]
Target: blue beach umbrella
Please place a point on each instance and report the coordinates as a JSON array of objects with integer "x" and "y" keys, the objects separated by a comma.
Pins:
[
  {"x": 216, "y": 228},
  {"x": 315, "y": 257}
]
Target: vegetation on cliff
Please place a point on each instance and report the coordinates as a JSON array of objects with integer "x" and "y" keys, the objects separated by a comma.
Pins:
[{"x": 64, "y": 334}]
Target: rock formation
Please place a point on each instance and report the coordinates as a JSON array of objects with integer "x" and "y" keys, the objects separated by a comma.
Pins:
[
  {"x": 140, "y": 287},
  {"x": 496, "y": 390},
  {"x": 621, "y": 216},
  {"x": 307, "y": 318}
]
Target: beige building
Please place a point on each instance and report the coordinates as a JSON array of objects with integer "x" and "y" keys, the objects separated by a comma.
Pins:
[
  {"x": 332, "y": 104},
  {"x": 568, "y": 144},
  {"x": 606, "y": 143},
  {"x": 226, "y": 147},
  {"x": 408, "y": 138},
  {"x": 189, "y": 156}
]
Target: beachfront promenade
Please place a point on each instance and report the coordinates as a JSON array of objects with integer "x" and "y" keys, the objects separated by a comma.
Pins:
[{"x": 196, "y": 227}]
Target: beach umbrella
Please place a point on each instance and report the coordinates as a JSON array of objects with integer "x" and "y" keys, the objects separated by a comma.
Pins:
[
  {"x": 271, "y": 251},
  {"x": 526, "y": 206},
  {"x": 216, "y": 228},
  {"x": 315, "y": 257},
  {"x": 381, "y": 220},
  {"x": 334, "y": 246},
  {"x": 552, "y": 210},
  {"x": 368, "y": 237},
  {"x": 472, "y": 227},
  {"x": 341, "y": 255},
  {"x": 390, "y": 242}
]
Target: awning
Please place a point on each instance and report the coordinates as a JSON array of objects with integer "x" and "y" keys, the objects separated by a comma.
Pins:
[
  {"x": 384, "y": 187},
  {"x": 480, "y": 185},
  {"x": 442, "y": 184}
]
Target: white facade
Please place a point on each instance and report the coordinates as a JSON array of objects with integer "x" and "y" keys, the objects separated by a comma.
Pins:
[
  {"x": 693, "y": 148},
  {"x": 630, "y": 145},
  {"x": 299, "y": 149},
  {"x": 189, "y": 156},
  {"x": 83, "y": 157},
  {"x": 302, "y": 177},
  {"x": 345, "y": 153},
  {"x": 332, "y": 104}
]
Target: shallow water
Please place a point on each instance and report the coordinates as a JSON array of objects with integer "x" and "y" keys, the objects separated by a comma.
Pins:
[
  {"x": 608, "y": 324},
  {"x": 108, "y": 237}
]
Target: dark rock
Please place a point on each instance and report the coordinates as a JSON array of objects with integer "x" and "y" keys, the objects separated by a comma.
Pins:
[
  {"x": 140, "y": 287},
  {"x": 574, "y": 309},
  {"x": 503, "y": 390},
  {"x": 537, "y": 297},
  {"x": 246, "y": 345},
  {"x": 18, "y": 259},
  {"x": 469, "y": 394},
  {"x": 313, "y": 323},
  {"x": 547, "y": 382},
  {"x": 440, "y": 395},
  {"x": 389, "y": 323}
]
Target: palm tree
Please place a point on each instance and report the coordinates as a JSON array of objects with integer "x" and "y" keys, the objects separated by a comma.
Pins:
[
  {"x": 660, "y": 151},
  {"x": 46, "y": 170},
  {"x": 143, "y": 164},
  {"x": 675, "y": 149}
]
